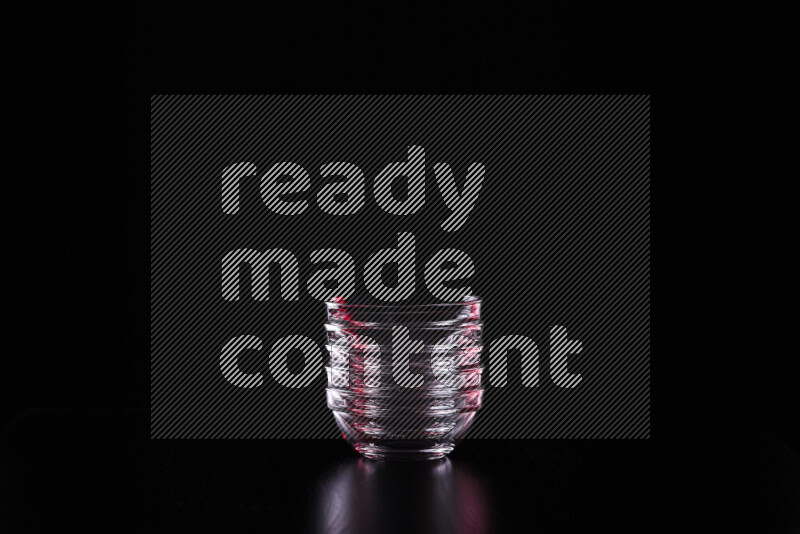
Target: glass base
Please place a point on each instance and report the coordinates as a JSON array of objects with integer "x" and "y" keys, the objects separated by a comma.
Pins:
[{"x": 404, "y": 450}]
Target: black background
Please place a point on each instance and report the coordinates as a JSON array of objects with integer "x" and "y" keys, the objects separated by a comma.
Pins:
[{"x": 74, "y": 445}]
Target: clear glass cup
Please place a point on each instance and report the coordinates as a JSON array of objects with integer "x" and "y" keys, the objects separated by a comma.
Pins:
[{"x": 404, "y": 380}]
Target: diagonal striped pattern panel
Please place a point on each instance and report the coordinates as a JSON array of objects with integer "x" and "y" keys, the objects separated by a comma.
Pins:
[{"x": 559, "y": 237}]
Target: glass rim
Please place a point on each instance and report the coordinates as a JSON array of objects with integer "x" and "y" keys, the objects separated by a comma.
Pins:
[
  {"x": 465, "y": 327},
  {"x": 338, "y": 302}
]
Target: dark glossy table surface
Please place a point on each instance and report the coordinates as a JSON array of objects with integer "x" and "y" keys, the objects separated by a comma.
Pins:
[{"x": 80, "y": 469}]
